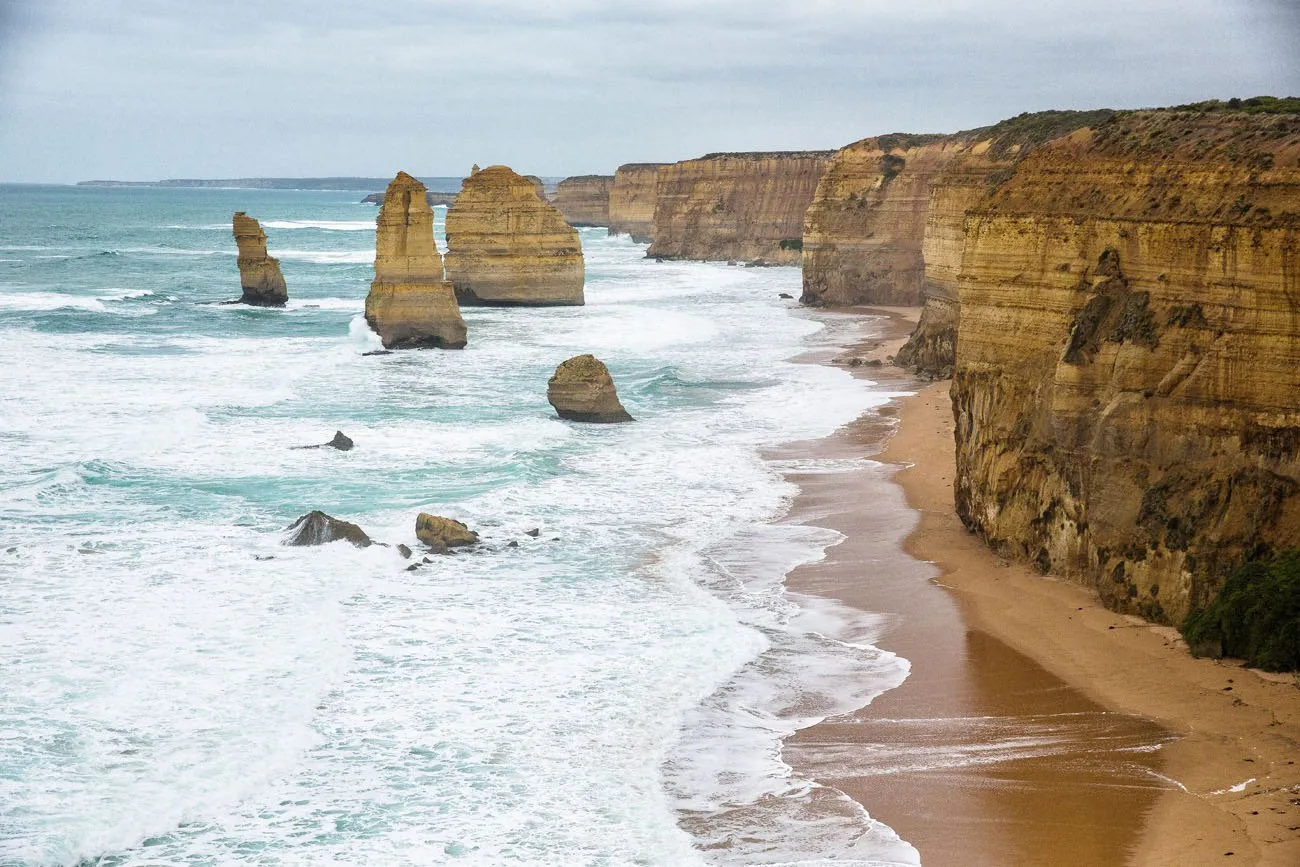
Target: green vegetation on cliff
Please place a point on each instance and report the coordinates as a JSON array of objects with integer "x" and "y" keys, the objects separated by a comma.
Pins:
[{"x": 1255, "y": 617}]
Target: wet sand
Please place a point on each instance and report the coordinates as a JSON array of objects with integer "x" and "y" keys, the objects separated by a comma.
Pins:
[{"x": 1035, "y": 727}]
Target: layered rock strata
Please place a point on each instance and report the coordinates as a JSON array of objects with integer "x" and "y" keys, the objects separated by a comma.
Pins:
[
  {"x": 741, "y": 206},
  {"x": 584, "y": 200},
  {"x": 259, "y": 273},
  {"x": 410, "y": 305},
  {"x": 1129, "y": 356},
  {"x": 632, "y": 201},
  {"x": 583, "y": 390},
  {"x": 507, "y": 247}
]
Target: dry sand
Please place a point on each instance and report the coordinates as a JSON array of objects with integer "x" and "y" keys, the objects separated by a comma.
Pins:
[{"x": 1036, "y": 727}]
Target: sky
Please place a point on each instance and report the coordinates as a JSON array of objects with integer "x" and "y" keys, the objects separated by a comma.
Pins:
[{"x": 147, "y": 89}]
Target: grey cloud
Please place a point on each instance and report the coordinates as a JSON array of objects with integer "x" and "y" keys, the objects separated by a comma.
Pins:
[{"x": 147, "y": 89}]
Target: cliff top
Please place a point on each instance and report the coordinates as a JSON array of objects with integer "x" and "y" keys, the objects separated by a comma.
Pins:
[
  {"x": 632, "y": 167},
  {"x": 764, "y": 155},
  {"x": 587, "y": 178}
]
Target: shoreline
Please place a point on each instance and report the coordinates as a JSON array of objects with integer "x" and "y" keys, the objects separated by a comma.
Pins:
[{"x": 1036, "y": 725}]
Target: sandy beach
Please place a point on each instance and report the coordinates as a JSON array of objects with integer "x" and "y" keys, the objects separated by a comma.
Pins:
[{"x": 1036, "y": 727}]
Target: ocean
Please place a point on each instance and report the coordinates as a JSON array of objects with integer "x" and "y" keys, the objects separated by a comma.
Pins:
[{"x": 178, "y": 687}]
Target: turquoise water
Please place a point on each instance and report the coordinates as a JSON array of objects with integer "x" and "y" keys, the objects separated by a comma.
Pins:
[{"x": 180, "y": 688}]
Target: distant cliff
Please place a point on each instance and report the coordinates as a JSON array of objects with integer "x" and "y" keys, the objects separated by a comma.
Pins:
[
  {"x": 583, "y": 200},
  {"x": 1128, "y": 362},
  {"x": 741, "y": 206},
  {"x": 432, "y": 197},
  {"x": 632, "y": 201},
  {"x": 333, "y": 183}
]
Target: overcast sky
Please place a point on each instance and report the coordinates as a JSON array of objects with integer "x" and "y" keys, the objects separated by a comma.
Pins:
[{"x": 146, "y": 89}]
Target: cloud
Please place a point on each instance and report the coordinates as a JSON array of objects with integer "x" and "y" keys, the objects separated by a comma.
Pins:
[{"x": 146, "y": 89}]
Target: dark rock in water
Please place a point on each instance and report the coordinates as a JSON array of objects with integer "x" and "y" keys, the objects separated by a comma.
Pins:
[
  {"x": 413, "y": 567},
  {"x": 404, "y": 551},
  {"x": 512, "y": 544},
  {"x": 341, "y": 441},
  {"x": 261, "y": 557},
  {"x": 787, "y": 295},
  {"x": 377, "y": 352},
  {"x": 535, "y": 532},
  {"x": 732, "y": 262},
  {"x": 426, "y": 560},
  {"x": 318, "y": 528}
]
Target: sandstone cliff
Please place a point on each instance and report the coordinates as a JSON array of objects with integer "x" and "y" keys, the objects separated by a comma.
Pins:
[
  {"x": 584, "y": 200},
  {"x": 1128, "y": 363},
  {"x": 980, "y": 160},
  {"x": 632, "y": 201},
  {"x": 259, "y": 273},
  {"x": 743, "y": 206},
  {"x": 410, "y": 304},
  {"x": 508, "y": 247}
]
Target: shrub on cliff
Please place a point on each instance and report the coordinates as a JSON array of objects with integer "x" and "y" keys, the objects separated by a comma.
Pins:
[{"x": 1256, "y": 616}]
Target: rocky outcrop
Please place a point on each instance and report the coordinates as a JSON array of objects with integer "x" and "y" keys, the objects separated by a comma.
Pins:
[
  {"x": 584, "y": 200},
  {"x": 341, "y": 441},
  {"x": 583, "y": 390},
  {"x": 442, "y": 533},
  {"x": 410, "y": 305},
  {"x": 507, "y": 247},
  {"x": 318, "y": 528},
  {"x": 1129, "y": 355},
  {"x": 741, "y": 206},
  {"x": 632, "y": 201},
  {"x": 259, "y": 273}
]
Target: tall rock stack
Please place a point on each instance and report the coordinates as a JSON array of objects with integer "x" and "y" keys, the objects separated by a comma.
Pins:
[
  {"x": 410, "y": 303},
  {"x": 259, "y": 273},
  {"x": 1128, "y": 363},
  {"x": 584, "y": 200},
  {"x": 506, "y": 247},
  {"x": 632, "y": 201}
]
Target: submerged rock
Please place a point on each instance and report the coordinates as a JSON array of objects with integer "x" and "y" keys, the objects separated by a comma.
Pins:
[
  {"x": 583, "y": 390},
  {"x": 410, "y": 305},
  {"x": 405, "y": 551},
  {"x": 318, "y": 528},
  {"x": 259, "y": 273},
  {"x": 439, "y": 532},
  {"x": 507, "y": 246}
]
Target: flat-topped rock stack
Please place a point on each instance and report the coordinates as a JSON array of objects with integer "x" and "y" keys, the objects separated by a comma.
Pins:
[
  {"x": 410, "y": 304},
  {"x": 259, "y": 273},
  {"x": 508, "y": 247}
]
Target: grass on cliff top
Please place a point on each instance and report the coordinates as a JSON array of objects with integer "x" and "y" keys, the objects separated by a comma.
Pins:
[
  {"x": 1256, "y": 616},
  {"x": 1031, "y": 129},
  {"x": 1253, "y": 105}
]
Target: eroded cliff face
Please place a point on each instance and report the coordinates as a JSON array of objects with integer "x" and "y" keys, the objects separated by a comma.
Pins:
[
  {"x": 410, "y": 305},
  {"x": 863, "y": 232},
  {"x": 508, "y": 247},
  {"x": 584, "y": 200},
  {"x": 259, "y": 272},
  {"x": 632, "y": 201},
  {"x": 747, "y": 207},
  {"x": 1128, "y": 362}
]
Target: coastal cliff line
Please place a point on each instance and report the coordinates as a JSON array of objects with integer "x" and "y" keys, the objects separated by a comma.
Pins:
[
  {"x": 632, "y": 201},
  {"x": 1128, "y": 357},
  {"x": 583, "y": 200},
  {"x": 736, "y": 206}
]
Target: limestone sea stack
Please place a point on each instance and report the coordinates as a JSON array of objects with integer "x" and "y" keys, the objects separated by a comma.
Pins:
[
  {"x": 583, "y": 390},
  {"x": 584, "y": 200},
  {"x": 259, "y": 273},
  {"x": 507, "y": 247},
  {"x": 743, "y": 206},
  {"x": 410, "y": 304},
  {"x": 632, "y": 201}
]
